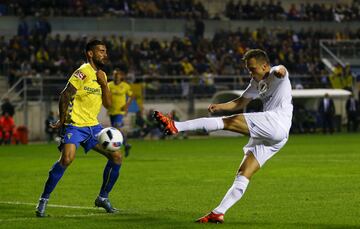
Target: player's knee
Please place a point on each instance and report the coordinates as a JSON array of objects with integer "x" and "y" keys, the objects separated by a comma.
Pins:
[
  {"x": 249, "y": 166},
  {"x": 66, "y": 161},
  {"x": 236, "y": 123},
  {"x": 116, "y": 157}
]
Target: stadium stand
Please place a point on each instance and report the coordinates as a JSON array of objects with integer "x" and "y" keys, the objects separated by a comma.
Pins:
[
  {"x": 232, "y": 9},
  {"x": 121, "y": 8},
  {"x": 200, "y": 53},
  {"x": 202, "y": 61}
]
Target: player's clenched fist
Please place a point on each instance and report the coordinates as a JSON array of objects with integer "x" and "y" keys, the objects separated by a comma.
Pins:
[
  {"x": 280, "y": 71},
  {"x": 101, "y": 77},
  {"x": 214, "y": 108}
]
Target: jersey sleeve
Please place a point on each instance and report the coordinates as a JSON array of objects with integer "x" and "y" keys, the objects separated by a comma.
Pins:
[
  {"x": 251, "y": 91},
  {"x": 77, "y": 79}
]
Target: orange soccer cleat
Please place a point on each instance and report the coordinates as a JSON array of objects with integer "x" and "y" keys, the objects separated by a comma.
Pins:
[
  {"x": 166, "y": 123},
  {"x": 211, "y": 218}
]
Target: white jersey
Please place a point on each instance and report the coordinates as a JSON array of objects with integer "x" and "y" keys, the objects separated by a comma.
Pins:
[{"x": 275, "y": 94}]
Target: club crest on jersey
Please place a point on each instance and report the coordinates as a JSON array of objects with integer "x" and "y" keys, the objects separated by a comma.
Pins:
[
  {"x": 79, "y": 74},
  {"x": 69, "y": 135},
  {"x": 262, "y": 87}
]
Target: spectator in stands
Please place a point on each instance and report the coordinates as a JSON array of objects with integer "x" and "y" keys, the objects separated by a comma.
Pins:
[
  {"x": 326, "y": 110},
  {"x": 230, "y": 10},
  {"x": 293, "y": 13},
  {"x": 119, "y": 8},
  {"x": 352, "y": 111},
  {"x": 187, "y": 67},
  {"x": 339, "y": 13},
  {"x": 7, "y": 107},
  {"x": 336, "y": 77},
  {"x": 199, "y": 29},
  {"x": 42, "y": 59},
  {"x": 347, "y": 78},
  {"x": 50, "y": 132},
  {"x": 42, "y": 27},
  {"x": 7, "y": 126},
  {"x": 23, "y": 28}
]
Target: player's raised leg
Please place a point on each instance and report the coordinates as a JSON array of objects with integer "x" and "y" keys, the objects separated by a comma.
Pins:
[
  {"x": 110, "y": 176},
  {"x": 247, "y": 169},
  {"x": 55, "y": 174},
  {"x": 236, "y": 123}
]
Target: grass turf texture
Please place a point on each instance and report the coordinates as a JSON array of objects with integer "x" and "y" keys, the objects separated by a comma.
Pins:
[{"x": 313, "y": 182}]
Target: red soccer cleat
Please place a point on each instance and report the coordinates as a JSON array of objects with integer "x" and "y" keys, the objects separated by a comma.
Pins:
[
  {"x": 166, "y": 123},
  {"x": 211, "y": 218}
]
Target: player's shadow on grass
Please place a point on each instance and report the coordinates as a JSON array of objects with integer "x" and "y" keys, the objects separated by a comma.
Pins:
[{"x": 165, "y": 218}]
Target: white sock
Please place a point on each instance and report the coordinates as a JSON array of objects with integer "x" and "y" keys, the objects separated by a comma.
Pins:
[
  {"x": 207, "y": 124},
  {"x": 233, "y": 195}
]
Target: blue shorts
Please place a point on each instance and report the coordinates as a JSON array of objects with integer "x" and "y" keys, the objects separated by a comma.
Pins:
[
  {"x": 84, "y": 136},
  {"x": 117, "y": 121}
]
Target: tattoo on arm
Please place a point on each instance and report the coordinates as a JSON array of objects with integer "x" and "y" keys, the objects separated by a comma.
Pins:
[{"x": 65, "y": 97}]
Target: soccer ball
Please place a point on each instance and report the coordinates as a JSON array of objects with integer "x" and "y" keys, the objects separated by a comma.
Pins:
[{"x": 110, "y": 139}]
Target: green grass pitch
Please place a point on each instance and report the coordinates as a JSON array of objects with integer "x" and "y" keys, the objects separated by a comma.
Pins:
[{"x": 313, "y": 182}]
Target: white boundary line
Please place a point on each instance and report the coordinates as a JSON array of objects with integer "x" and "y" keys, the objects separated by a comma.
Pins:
[
  {"x": 52, "y": 217},
  {"x": 49, "y": 205}
]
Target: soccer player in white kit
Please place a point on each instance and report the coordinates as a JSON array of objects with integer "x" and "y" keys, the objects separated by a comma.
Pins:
[{"x": 268, "y": 130}]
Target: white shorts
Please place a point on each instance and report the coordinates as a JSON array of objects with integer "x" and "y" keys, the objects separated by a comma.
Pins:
[
  {"x": 267, "y": 137},
  {"x": 262, "y": 149}
]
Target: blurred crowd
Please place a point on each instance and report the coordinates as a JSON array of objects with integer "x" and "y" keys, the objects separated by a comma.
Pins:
[
  {"x": 96, "y": 8},
  {"x": 274, "y": 10},
  {"x": 36, "y": 52},
  {"x": 235, "y": 9}
]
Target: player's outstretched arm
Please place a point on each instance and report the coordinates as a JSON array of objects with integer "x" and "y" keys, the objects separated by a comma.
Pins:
[
  {"x": 65, "y": 98},
  {"x": 232, "y": 106},
  {"x": 106, "y": 94}
]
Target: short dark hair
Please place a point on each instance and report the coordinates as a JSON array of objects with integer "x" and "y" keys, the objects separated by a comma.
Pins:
[
  {"x": 258, "y": 54},
  {"x": 92, "y": 44}
]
